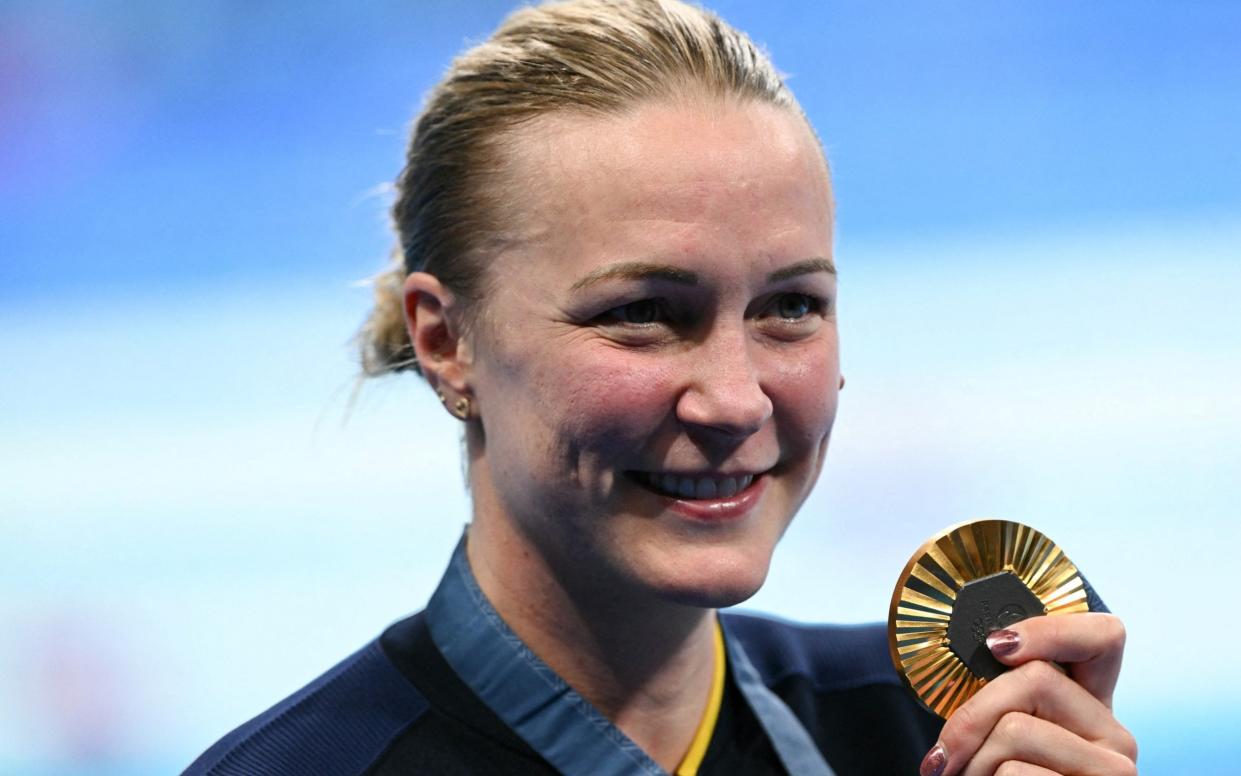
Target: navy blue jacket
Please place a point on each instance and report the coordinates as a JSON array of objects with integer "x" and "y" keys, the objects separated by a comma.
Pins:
[{"x": 452, "y": 690}]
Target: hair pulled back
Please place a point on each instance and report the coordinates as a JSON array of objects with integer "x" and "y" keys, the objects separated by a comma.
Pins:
[{"x": 599, "y": 56}]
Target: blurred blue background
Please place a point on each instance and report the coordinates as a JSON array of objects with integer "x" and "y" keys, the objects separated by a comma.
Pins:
[{"x": 1040, "y": 247}]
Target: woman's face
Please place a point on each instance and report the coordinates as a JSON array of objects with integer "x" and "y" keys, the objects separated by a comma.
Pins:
[{"x": 656, "y": 365}]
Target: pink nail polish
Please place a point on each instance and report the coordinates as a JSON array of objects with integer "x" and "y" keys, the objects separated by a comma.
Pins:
[
  {"x": 1003, "y": 642},
  {"x": 934, "y": 762}
]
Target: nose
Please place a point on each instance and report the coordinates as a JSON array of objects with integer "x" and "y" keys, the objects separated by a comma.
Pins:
[{"x": 724, "y": 393}]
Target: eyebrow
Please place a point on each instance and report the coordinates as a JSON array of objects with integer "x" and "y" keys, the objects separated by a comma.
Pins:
[
  {"x": 641, "y": 270},
  {"x": 805, "y": 267},
  {"x": 637, "y": 270}
]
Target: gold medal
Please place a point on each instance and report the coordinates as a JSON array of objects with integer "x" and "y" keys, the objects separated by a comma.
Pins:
[{"x": 965, "y": 582}]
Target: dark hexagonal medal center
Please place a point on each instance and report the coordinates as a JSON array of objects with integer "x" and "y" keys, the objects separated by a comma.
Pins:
[{"x": 982, "y": 606}]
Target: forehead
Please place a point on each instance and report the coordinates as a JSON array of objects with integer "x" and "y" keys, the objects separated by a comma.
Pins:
[{"x": 689, "y": 160}]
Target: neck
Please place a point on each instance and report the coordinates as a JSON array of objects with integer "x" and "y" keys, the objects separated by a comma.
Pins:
[{"x": 644, "y": 663}]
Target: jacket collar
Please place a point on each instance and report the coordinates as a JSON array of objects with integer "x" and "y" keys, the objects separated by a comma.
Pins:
[{"x": 557, "y": 722}]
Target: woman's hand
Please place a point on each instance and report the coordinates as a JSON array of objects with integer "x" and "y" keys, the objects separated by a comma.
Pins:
[{"x": 1036, "y": 718}]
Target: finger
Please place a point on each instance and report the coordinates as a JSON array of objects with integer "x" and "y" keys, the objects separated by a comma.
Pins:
[
  {"x": 1037, "y": 742},
  {"x": 1090, "y": 645},
  {"x": 1015, "y": 768},
  {"x": 1039, "y": 690}
]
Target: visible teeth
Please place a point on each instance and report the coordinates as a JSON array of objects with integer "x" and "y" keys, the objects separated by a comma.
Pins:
[
  {"x": 706, "y": 488},
  {"x": 670, "y": 483},
  {"x": 686, "y": 487},
  {"x": 698, "y": 487}
]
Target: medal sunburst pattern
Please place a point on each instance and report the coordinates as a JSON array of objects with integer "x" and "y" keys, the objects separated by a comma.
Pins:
[{"x": 923, "y": 601}]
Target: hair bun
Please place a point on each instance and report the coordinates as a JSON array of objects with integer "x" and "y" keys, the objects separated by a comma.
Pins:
[{"x": 383, "y": 340}]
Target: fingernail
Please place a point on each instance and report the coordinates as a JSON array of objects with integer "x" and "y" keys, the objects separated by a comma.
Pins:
[
  {"x": 934, "y": 762},
  {"x": 1003, "y": 643}
]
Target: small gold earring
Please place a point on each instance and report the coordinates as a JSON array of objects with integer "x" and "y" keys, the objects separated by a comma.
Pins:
[{"x": 460, "y": 407}]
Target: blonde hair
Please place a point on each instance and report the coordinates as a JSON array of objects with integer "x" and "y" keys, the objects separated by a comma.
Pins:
[{"x": 595, "y": 56}]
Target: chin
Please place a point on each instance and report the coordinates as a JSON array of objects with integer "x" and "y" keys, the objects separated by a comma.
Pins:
[
  {"x": 716, "y": 583},
  {"x": 718, "y": 598}
]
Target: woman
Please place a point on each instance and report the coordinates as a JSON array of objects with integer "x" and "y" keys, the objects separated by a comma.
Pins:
[{"x": 615, "y": 268}]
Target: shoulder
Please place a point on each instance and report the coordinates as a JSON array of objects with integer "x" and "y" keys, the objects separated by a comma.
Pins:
[
  {"x": 338, "y": 724},
  {"x": 839, "y": 681},
  {"x": 831, "y": 657}
]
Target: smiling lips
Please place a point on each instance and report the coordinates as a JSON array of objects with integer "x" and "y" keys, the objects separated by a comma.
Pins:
[{"x": 696, "y": 487}]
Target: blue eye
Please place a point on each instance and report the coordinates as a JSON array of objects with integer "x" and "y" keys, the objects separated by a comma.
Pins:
[{"x": 794, "y": 306}]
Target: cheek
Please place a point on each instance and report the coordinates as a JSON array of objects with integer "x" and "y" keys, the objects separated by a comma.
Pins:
[
  {"x": 616, "y": 402},
  {"x": 572, "y": 412},
  {"x": 804, "y": 393}
]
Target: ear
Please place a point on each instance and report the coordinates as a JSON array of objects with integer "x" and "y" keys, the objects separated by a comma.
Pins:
[
  {"x": 431, "y": 317},
  {"x": 842, "y": 383}
]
